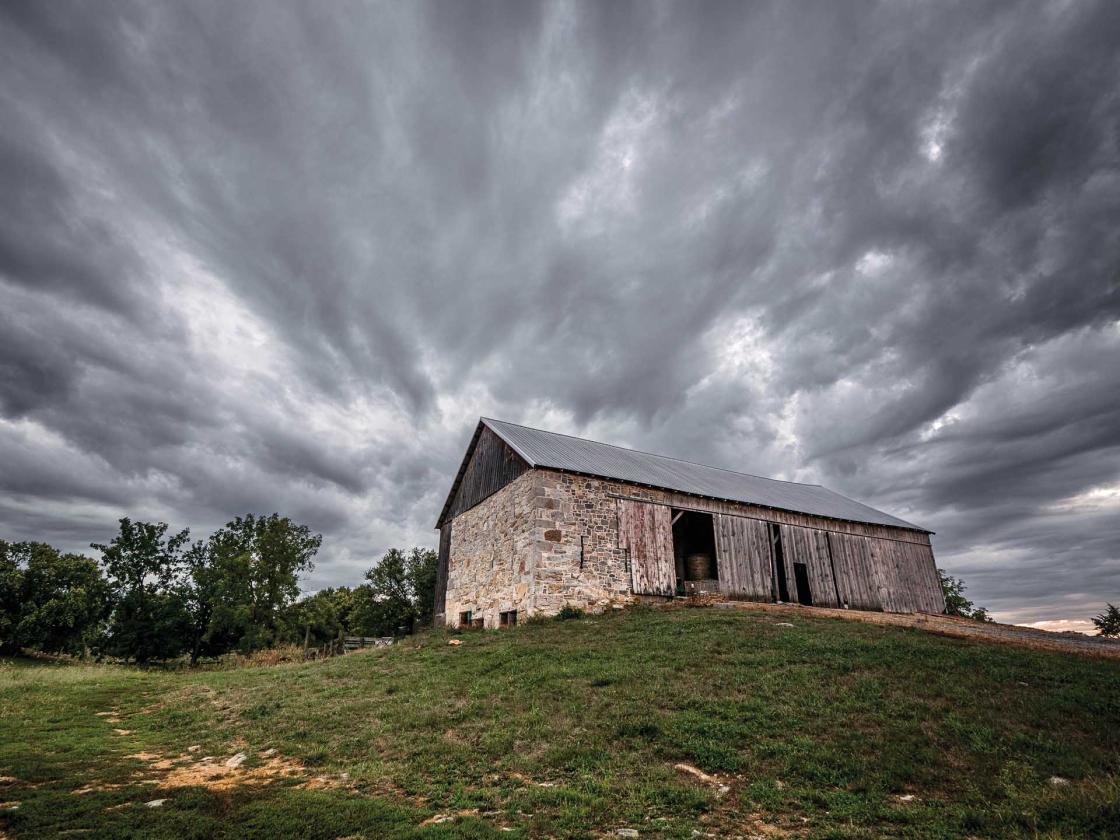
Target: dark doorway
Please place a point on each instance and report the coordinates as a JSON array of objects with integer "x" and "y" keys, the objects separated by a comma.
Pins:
[
  {"x": 801, "y": 574},
  {"x": 694, "y": 549},
  {"x": 779, "y": 562}
]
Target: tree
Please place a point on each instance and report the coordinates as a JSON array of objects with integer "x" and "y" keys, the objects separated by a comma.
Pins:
[
  {"x": 48, "y": 600},
  {"x": 149, "y": 619},
  {"x": 316, "y": 619},
  {"x": 1108, "y": 622},
  {"x": 202, "y": 591},
  {"x": 955, "y": 601},
  {"x": 66, "y": 601},
  {"x": 11, "y": 595},
  {"x": 401, "y": 592},
  {"x": 251, "y": 574},
  {"x": 423, "y": 567}
]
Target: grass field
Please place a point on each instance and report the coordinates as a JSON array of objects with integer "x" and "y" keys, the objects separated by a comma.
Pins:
[{"x": 827, "y": 728}]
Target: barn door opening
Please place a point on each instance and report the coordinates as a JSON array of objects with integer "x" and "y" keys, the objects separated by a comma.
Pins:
[
  {"x": 801, "y": 574},
  {"x": 777, "y": 552},
  {"x": 694, "y": 552}
]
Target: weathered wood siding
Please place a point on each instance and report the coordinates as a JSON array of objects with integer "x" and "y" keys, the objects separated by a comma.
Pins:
[
  {"x": 922, "y": 572},
  {"x": 851, "y": 558},
  {"x": 809, "y": 546},
  {"x": 491, "y": 467},
  {"x": 743, "y": 558},
  {"x": 683, "y": 501},
  {"x": 646, "y": 532},
  {"x": 906, "y": 577},
  {"x": 876, "y": 567},
  {"x": 442, "y": 560}
]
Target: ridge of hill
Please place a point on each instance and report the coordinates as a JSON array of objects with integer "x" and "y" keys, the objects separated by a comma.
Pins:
[{"x": 668, "y": 723}]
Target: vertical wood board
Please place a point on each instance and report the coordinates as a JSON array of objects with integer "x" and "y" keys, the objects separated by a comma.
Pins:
[
  {"x": 646, "y": 532},
  {"x": 743, "y": 558},
  {"x": 809, "y": 546}
]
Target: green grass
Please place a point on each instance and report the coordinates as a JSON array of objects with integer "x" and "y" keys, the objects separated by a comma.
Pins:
[{"x": 571, "y": 729}]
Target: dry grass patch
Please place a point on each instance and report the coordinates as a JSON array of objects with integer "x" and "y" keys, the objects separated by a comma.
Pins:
[{"x": 214, "y": 774}]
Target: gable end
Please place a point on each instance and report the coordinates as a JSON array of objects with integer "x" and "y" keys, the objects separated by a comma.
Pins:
[{"x": 488, "y": 466}]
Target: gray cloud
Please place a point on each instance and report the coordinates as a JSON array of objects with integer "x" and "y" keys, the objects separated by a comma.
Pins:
[{"x": 281, "y": 257}]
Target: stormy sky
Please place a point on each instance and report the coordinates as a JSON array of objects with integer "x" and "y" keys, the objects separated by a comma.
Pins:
[{"x": 266, "y": 256}]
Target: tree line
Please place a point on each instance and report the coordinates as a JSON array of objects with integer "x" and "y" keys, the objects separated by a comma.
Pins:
[{"x": 156, "y": 595}]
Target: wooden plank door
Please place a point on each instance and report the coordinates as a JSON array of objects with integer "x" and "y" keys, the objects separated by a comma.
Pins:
[
  {"x": 809, "y": 546},
  {"x": 884, "y": 567},
  {"x": 743, "y": 558},
  {"x": 851, "y": 559},
  {"x": 928, "y": 596},
  {"x": 646, "y": 532}
]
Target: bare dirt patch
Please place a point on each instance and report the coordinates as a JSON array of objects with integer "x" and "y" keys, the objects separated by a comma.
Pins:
[
  {"x": 961, "y": 628},
  {"x": 216, "y": 774}
]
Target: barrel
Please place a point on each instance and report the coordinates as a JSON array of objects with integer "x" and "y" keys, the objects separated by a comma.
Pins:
[{"x": 699, "y": 566}]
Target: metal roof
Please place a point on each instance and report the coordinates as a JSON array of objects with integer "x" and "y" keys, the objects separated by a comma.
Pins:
[{"x": 571, "y": 454}]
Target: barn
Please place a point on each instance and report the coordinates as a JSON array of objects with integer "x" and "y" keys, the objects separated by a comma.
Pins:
[{"x": 536, "y": 521}]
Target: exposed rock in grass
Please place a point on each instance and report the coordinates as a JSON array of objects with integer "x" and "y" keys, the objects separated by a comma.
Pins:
[
  {"x": 443, "y": 818},
  {"x": 235, "y": 761},
  {"x": 155, "y": 803},
  {"x": 97, "y": 787},
  {"x": 698, "y": 774}
]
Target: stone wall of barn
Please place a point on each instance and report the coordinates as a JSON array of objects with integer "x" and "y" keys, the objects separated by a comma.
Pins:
[
  {"x": 491, "y": 560},
  {"x": 550, "y": 539},
  {"x": 544, "y": 541}
]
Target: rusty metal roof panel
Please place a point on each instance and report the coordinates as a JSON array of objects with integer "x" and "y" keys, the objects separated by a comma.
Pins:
[{"x": 572, "y": 454}]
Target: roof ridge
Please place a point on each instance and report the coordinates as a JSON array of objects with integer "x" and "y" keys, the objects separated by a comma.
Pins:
[{"x": 654, "y": 454}]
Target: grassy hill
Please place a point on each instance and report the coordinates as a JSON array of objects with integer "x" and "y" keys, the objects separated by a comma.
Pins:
[{"x": 572, "y": 729}]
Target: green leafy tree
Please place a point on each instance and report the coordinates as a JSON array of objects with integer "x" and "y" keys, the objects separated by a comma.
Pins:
[
  {"x": 955, "y": 601},
  {"x": 1108, "y": 622},
  {"x": 206, "y": 593},
  {"x": 11, "y": 595},
  {"x": 49, "y": 601},
  {"x": 66, "y": 601},
  {"x": 401, "y": 592},
  {"x": 251, "y": 575},
  {"x": 318, "y": 618},
  {"x": 145, "y": 568}
]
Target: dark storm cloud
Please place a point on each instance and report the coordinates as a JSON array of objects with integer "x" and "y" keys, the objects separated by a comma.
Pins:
[{"x": 259, "y": 257}]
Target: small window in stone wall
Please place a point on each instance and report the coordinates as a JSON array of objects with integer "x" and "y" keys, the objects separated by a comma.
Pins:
[
  {"x": 465, "y": 619},
  {"x": 507, "y": 619}
]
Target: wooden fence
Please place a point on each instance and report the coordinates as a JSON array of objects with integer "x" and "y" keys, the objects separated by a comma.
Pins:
[{"x": 346, "y": 644}]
